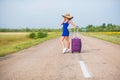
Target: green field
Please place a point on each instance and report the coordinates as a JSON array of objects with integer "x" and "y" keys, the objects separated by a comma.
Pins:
[
  {"x": 11, "y": 42},
  {"x": 113, "y": 37}
]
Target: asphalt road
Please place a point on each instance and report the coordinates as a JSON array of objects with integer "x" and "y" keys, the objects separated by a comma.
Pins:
[{"x": 99, "y": 60}]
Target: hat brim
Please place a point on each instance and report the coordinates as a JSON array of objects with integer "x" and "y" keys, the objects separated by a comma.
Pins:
[{"x": 70, "y": 17}]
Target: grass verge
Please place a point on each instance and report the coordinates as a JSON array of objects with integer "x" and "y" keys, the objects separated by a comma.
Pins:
[
  {"x": 13, "y": 42},
  {"x": 113, "y": 37}
]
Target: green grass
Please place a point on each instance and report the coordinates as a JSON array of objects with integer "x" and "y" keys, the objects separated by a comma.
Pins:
[
  {"x": 113, "y": 37},
  {"x": 14, "y": 41}
]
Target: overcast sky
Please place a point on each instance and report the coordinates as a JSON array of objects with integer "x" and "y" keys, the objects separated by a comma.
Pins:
[{"x": 47, "y": 13}]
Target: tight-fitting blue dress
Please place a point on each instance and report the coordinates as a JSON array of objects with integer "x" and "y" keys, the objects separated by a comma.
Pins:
[{"x": 65, "y": 29}]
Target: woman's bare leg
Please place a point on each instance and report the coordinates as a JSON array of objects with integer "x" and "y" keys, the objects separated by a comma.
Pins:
[
  {"x": 62, "y": 41},
  {"x": 67, "y": 41}
]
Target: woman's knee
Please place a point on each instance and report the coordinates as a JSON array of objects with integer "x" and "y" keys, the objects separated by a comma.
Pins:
[
  {"x": 67, "y": 38},
  {"x": 62, "y": 39}
]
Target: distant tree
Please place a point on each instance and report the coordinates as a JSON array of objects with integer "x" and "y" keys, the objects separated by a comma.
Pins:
[
  {"x": 103, "y": 25},
  {"x": 90, "y": 28},
  {"x": 117, "y": 28},
  {"x": 27, "y": 29}
]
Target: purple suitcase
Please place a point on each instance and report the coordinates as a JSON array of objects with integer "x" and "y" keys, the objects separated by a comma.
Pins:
[{"x": 76, "y": 45}]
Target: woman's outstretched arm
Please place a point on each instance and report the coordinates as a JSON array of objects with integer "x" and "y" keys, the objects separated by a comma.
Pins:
[{"x": 72, "y": 24}]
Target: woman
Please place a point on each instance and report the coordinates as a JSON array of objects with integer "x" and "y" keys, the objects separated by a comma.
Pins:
[{"x": 65, "y": 34}]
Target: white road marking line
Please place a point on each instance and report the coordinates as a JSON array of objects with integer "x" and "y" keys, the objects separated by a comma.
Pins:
[{"x": 84, "y": 70}]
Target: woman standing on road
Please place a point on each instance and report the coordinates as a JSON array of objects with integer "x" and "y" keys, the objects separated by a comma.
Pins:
[{"x": 65, "y": 34}]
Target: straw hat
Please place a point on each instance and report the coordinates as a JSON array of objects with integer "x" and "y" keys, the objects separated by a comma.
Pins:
[{"x": 67, "y": 15}]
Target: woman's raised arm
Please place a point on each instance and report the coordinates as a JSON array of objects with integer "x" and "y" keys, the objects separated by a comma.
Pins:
[{"x": 72, "y": 24}]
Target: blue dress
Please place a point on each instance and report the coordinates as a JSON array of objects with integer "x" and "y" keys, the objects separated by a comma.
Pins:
[{"x": 65, "y": 29}]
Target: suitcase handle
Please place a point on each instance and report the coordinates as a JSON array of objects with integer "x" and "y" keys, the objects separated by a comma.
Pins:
[{"x": 75, "y": 32}]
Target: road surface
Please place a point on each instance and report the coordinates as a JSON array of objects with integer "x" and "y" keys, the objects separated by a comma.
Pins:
[{"x": 99, "y": 60}]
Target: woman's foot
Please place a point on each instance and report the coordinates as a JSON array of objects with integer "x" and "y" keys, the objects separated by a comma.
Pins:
[
  {"x": 64, "y": 50},
  {"x": 68, "y": 50}
]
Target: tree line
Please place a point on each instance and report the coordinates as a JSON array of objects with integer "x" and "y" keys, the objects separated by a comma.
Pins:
[
  {"x": 103, "y": 28},
  {"x": 90, "y": 28},
  {"x": 28, "y": 30}
]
